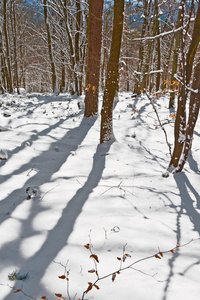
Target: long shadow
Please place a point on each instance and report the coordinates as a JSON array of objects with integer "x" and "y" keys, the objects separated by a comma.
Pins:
[
  {"x": 183, "y": 185},
  {"x": 34, "y": 137},
  {"x": 193, "y": 163},
  {"x": 58, "y": 236},
  {"x": 70, "y": 141},
  {"x": 187, "y": 207}
]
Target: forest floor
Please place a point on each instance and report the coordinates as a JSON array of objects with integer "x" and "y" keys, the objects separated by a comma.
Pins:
[{"x": 61, "y": 190}]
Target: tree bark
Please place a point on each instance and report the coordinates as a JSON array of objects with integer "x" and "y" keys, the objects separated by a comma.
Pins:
[
  {"x": 180, "y": 123},
  {"x": 183, "y": 134},
  {"x": 50, "y": 49},
  {"x": 175, "y": 62},
  {"x": 9, "y": 72},
  {"x": 94, "y": 56},
  {"x": 3, "y": 83},
  {"x": 193, "y": 46},
  {"x": 193, "y": 116},
  {"x": 137, "y": 88},
  {"x": 112, "y": 74},
  {"x": 15, "y": 56}
]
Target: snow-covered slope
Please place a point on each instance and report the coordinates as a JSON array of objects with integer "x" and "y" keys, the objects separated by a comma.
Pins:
[{"x": 60, "y": 189}]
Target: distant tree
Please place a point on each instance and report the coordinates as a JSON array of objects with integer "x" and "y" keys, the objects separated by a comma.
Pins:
[
  {"x": 7, "y": 46},
  {"x": 112, "y": 78},
  {"x": 137, "y": 87},
  {"x": 50, "y": 49},
  {"x": 175, "y": 60},
  {"x": 94, "y": 57},
  {"x": 14, "y": 38},
  {"x": 3, "y": 78}
]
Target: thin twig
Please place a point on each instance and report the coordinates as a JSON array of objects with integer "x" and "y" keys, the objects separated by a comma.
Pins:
[
  {"x": 159, "y": 254},
  {"x": 49, "y": 191},
  {"x": 151, "y": 101}
]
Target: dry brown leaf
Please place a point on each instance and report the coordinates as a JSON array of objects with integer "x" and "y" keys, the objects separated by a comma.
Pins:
[
  {"x": 17, "y": 291},
  {"x": 58, "y": 295},
  {"x": 62, "y": 277},
  {"x": 87, "y": 246},
  {"x": 89, "y": 287},
  {"x": 96, "y": 286},
  {"x": 128, "y": 255},
  {"x": 94, "y": 256},
  {"x": 113, "y": 276},
  {"x": 91, "y": 271}
]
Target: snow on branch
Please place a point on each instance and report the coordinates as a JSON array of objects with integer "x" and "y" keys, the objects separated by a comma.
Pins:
[{"x": 162, "y": 34}]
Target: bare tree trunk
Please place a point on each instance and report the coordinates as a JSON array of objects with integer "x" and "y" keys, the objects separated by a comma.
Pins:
[
  {"x": 14, "y": 34},
  {"x": 175, "y": 61},
  {"x": 180, "y": 123},
  {"x": 183, "y": 133},
  {"x": 157, "y": 32},
  {"x": 22, "y": 78},
  {"x": 77, "y": 43},
  {"x": 94, "y": 56},
  {"x": 137, "y": 88},
  {"x": 9, "y": 73},
  {"x": 112, "y": 74},
  {"x": 193, "y": 46},
  {"x": 193, "y": 115},
  {"x": 3, "y": 67},
  {"x": 50, "y": 49}
]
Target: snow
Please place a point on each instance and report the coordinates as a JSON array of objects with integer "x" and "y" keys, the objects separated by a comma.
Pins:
[{"x": 60, "y": 190}]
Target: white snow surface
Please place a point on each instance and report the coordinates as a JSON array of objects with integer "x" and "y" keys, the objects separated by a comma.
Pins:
[{"x": 60, "y": 189}]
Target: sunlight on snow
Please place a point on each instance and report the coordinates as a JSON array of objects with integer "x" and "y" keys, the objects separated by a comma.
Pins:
[
  {"x": 31, "y": 245},
  {"x": 12, "y": 234},
  {"x": 46, "y": 220}
]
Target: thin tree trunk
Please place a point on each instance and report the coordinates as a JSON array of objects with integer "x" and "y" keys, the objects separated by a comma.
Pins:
[
  {"x": 14, "y": 34},
  {"x": 157, "y": 32},
  {"x": 137, "y": 88},
  {"x": 193, "y": 115},
  {"x": 180, "y": 123},
  {"x": 180, "y": 134},
  {"x": 175, "y": 61},
  {"x": 9, "y": 73},
  {"x": 77, "y": 42},
  {"x": 166, "y": 66},
  {"x": 112, "y": 74},
  {"x": 193, "y": 46},
  {"x": 50, "y": 49},
  {"x": 3, "y": 66}
]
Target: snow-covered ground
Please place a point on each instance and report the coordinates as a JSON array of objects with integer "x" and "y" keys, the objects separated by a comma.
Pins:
[{"x": 60, "y": 189}]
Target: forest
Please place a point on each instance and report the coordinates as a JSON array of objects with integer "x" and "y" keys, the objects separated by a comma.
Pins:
[
  {"x": 99, "y": 154},
  {"x": 91, "y": 46}
]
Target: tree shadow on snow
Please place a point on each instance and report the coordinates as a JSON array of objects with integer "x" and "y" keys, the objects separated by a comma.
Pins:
[
  {"x": 187, "y": 207},
  {"x": 55, "y": 239},
  {"x": 70, "y": 142}
]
